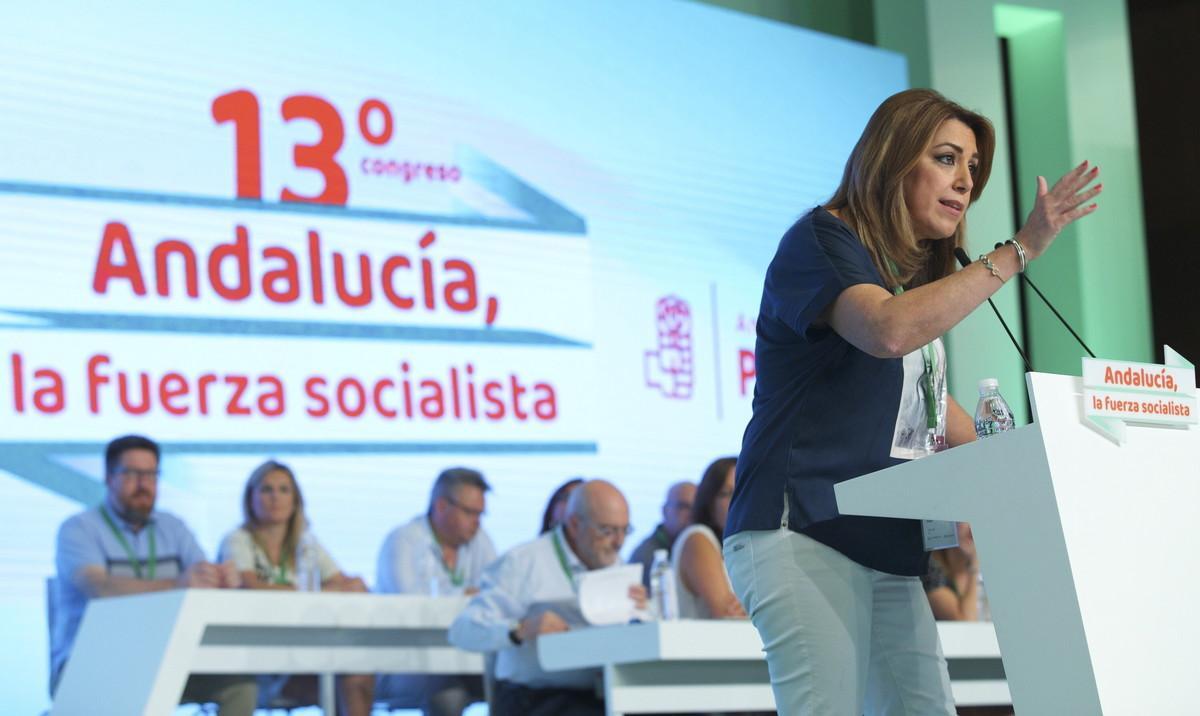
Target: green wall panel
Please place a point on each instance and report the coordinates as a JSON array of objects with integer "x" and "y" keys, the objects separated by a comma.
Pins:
[{"x": 1074, "y": 101}]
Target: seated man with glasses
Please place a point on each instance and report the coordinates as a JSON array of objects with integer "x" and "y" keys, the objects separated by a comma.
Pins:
[
  {"x": 677, "y": 515},
  {"x": 125, "y": 546},
  {"x": 504, "y": 617},
  {"x": 440, "y": 553}
]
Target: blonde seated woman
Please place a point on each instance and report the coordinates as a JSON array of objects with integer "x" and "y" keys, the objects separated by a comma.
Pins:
[
  {"x": 704, "y": 589},
  {"x": 264, "y": 551}
]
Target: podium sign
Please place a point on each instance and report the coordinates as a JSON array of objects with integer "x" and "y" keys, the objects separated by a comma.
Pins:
[
  {"x": 1117, "y": 393},
  {"x": 1085, "y": 545}
]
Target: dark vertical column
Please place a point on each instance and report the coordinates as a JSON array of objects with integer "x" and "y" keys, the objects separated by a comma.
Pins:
[
  {"x": 1165, "y": 43},
  {"x": 1014, "y": 179}
]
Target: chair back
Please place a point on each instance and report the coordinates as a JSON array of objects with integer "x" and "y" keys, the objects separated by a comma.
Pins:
[
  {"x": 51, "y": 621},
  {"x": 489, "y": 679}
]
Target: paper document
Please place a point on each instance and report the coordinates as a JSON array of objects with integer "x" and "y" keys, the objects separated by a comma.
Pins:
[{"x": 604, "y": 594}]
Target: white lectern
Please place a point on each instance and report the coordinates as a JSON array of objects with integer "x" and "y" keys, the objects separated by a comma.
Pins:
[
  {"x": 133, "y": 654},
  {"x": 1090, "y": 552}
]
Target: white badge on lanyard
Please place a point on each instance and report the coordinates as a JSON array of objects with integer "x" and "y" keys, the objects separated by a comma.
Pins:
[{"x": 939, "y": 534}]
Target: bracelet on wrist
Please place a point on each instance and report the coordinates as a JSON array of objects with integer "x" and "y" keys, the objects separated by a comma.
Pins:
[
  {"x": 1020, "y": 252},
  {"x": 987, "y": 264}
]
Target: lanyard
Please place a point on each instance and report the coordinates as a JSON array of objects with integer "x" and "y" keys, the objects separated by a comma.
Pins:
[
  {"x": 133, "y": 560},
  {"x": 929, "y": 356},
  {"x": 456, "y": 574},
  {"x": 281, "y": 570},
  {"x": 274, "y": 574},
  {"x": 562, "y": 560}
]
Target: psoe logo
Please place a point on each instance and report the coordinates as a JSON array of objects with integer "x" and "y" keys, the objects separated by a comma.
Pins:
[{"x": 669, "y": 368}]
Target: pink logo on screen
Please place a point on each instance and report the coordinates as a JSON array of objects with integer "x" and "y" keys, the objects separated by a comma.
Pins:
[{"x": 669, "y": 367}]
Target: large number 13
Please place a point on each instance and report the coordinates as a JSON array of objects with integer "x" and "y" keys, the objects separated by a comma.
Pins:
[{"x": 241, "y": 108}]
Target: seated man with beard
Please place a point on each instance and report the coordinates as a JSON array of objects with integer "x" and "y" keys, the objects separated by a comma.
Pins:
[
  {"x": 126, "y": 546},
  {"x": 545, "y": 570}
]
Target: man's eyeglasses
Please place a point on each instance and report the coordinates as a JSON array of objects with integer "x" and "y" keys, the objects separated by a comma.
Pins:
[
  {"x": 132, "y": 473},
  {"x": 610, "y": 531},
  {"x": 468, "y": 511}
]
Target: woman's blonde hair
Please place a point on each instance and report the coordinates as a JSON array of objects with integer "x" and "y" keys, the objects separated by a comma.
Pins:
[
  {"x": 870, "y": 198},
  {"x": 296, "y": 523}
]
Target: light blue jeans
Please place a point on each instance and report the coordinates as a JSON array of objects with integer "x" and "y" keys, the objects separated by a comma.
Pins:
[{"x": 841, "y": 639}]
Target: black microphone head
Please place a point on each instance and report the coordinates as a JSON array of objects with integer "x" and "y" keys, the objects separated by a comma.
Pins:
[{"x": 962, "y": 256}]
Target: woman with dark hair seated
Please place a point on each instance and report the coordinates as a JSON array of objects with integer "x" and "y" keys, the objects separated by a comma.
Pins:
[
  {"x": 952, "y": 581},
  {"x": 556, "y": 508},
  {"x": 704, "y": 589},
  {"x": 264, "y": 551}
]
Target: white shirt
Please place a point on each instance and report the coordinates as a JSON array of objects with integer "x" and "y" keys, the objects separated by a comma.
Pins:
[
  {"x": 410, "y": 562},
  {"x": 526, "y": 575},
  {"x": 247, "y": 555}
]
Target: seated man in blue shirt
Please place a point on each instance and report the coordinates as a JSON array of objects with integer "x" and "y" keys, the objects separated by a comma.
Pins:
[
  {"x": 545, "y": 570},
  {"x": 124, "y": 546},
  {"x": 439, "y": 553}
]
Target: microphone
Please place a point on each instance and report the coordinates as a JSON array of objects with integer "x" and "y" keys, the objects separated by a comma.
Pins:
[
  {"x": 966, "y": 261},
  {"x": 1054, "y": 310}
]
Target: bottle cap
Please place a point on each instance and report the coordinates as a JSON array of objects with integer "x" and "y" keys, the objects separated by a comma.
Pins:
[{"x": 988, "y": 385}]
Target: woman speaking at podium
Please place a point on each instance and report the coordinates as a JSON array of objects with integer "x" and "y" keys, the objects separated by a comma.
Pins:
[{"x": 851, "y": 378}]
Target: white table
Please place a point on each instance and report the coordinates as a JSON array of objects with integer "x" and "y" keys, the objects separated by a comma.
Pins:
[
  {"x": 133, "y": 654},
  {"x": 705, "y": 666}
]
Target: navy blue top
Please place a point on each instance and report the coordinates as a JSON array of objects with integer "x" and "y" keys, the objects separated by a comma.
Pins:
[{"x": 824, "y": 411}]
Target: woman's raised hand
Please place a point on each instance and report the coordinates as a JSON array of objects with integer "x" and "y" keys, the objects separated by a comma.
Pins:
[{"x": 1058, "y": 206}]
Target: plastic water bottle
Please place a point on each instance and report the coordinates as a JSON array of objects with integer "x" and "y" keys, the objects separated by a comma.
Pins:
[
  {"x": 662, "y": 584},
  {"x": 992, "y": 414},
  {"x": 981, "y": 600},
  {"x": 308, "y": 572}
]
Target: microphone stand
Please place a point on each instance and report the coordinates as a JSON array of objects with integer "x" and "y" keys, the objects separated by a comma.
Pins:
[{"x": 1054, "y": 310}]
